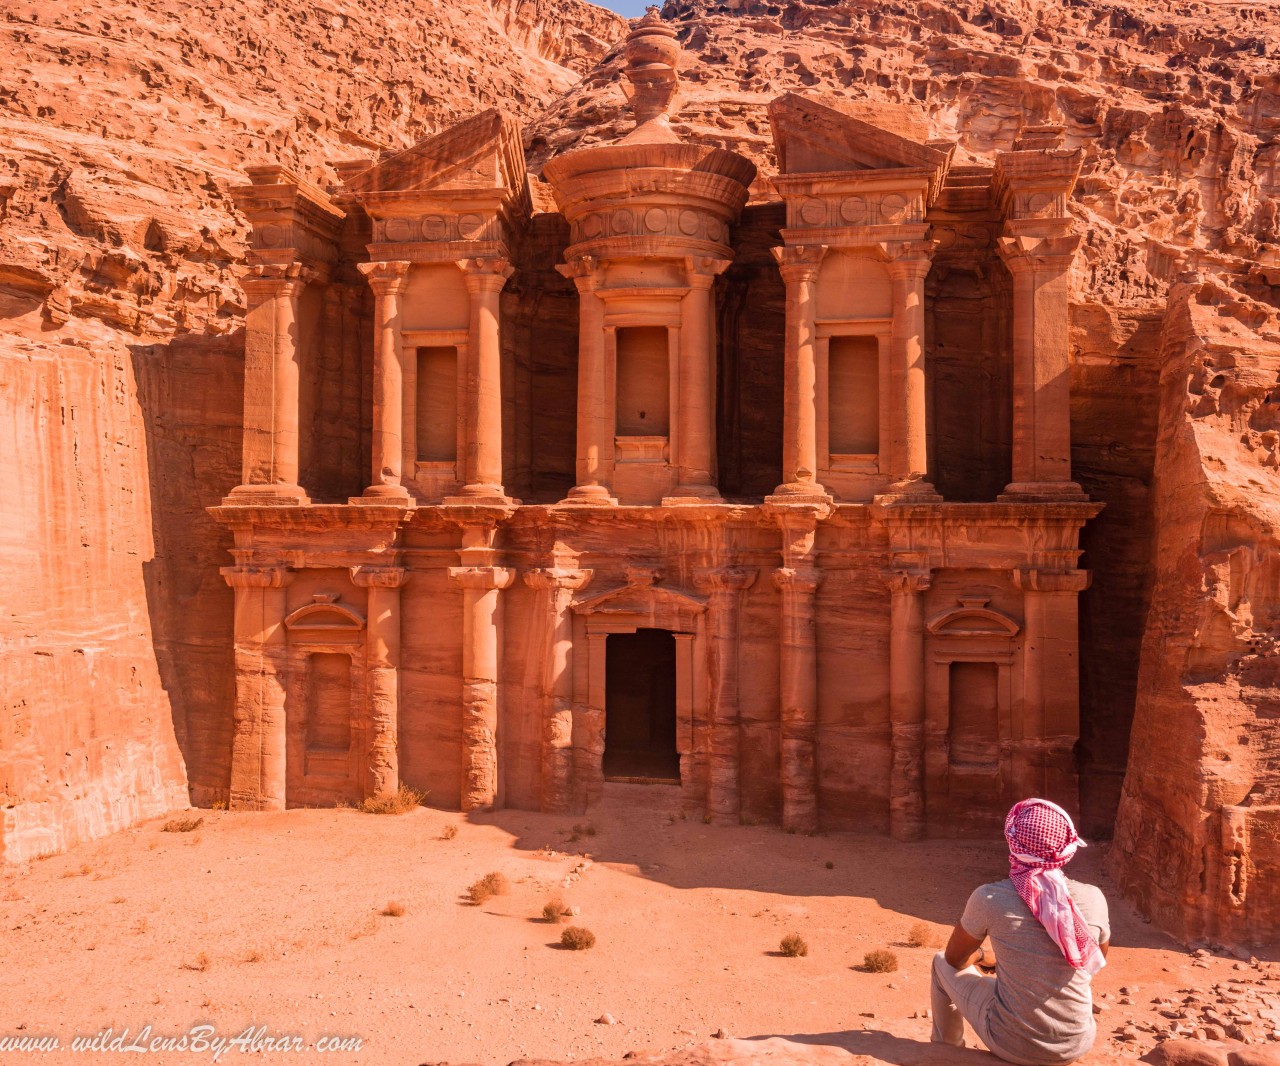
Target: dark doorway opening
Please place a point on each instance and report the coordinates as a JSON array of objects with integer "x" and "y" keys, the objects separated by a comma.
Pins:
[{"x": 640, "y": 707}]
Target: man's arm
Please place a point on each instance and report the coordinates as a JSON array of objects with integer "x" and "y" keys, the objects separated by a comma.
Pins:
[{"x": 962, "y": 949}]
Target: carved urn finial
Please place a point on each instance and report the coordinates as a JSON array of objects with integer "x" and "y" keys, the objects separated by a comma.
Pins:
[{"x": 651, "y": 54}]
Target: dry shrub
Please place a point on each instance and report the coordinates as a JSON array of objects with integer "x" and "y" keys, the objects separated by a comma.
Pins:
[
  {"x": 181, "y": 825},
  {"x": 199, "y": 964},
  {"x": 448, "y": 832},
  {"x": 400, "y": 801},
  {"x": 393, "y": 910},
  {"x": 793, "y": 946},
  {"x": 921, "y": 935},
  {"x": 576, "y": 938},
  {"x": 253, "y": 955},
  {"x": 555, "y": 910},
  {"x": 882, "y": 960},
  {"x": 490, "y": 885}
]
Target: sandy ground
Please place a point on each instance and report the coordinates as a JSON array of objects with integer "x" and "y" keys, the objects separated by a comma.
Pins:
[{"x": 276, "y": 920}]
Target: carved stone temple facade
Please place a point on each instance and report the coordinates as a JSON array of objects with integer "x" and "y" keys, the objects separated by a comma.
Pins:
[{"x": 651, "y": 467}]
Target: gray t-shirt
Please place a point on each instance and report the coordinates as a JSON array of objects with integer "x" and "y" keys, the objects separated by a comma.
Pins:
[{"x": 1042, "y": 1011}]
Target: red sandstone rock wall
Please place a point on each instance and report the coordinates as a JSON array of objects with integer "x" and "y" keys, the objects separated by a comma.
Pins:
[
  {"x": 122, "y": 124},
  {"x": 1198, "y": 837}
]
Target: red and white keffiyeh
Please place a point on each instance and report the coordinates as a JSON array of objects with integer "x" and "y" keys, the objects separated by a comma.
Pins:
[{"x": 1042, "y": 840}]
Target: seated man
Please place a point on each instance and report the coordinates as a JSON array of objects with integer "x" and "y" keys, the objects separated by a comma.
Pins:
[{"x": 1050, "y": 936}]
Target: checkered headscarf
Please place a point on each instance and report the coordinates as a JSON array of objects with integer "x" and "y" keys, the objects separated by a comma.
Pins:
[{"x": 1042, "y": 840}]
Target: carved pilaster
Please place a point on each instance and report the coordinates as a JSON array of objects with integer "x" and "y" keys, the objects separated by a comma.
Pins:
[
  {"x": 798, "y": 690},
  {"x": 556, "y": 684},
  {"x": 906, "y": 702},
  {"x": 382, "y": 655},
  {"x": 481, "y": 640},
  {"x": 388, "y": 281},
  {"x": 259, "y": 736}
]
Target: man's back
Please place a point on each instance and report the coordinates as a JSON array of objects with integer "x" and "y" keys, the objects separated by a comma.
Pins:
[{"x": 1043, "y": 1009}]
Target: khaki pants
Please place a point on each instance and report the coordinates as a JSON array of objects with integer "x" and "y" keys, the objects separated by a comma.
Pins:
[{"x": 959, "y": 996}]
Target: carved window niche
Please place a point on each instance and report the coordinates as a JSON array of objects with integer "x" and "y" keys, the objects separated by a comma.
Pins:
[
  {"x": 851, "y": 395},
  {"x": 324, "y": 706},
  {"x": 433, "y": 401},
  {"x": 638, "y": 605},
  {"x": 642, "y": 331},
  {"x": 971, "y": 694}
]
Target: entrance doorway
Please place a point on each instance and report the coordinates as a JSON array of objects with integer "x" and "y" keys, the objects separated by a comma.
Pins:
[{"x": 640, "y": 707}]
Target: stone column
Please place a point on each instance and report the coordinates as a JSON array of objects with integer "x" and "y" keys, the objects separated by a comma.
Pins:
[
  {"x": 560, "y": 583},
  {"x": 258, "y": 745},
  {"x": 725, "y": 586},
  {"x": 799, "y": 266},
  {"x": 1048, "y": 725},
  {"x": 480, "y": 652},
  {"x": 388, "y": 282},
  {"x": 906, "y": 703},
  {"x": 909, "y": 459},
  {"x": 482, "y": 454},
  {"x": 595, "y": 434},
  {"x": 1041, "y": 366},
  {"x": 695, "y": 442},
  {"x": 798, "y": 687},
  {"x": 382, "y": 665},
  {"x": 269, "y": 469}
]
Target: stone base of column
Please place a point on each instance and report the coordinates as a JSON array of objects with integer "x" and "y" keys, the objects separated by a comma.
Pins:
[
  {"x": 384, "y": 496},
  {"x": 589, "y": 496},
  {"x": 473, "y": 494},
  {"x": 683, "y": 495},
  {"x": 912, "y": 490},
  {"x": 281, "y": 495},
  {"x": 1042, "y": 492},
  {"x": 801, "y": 492}
]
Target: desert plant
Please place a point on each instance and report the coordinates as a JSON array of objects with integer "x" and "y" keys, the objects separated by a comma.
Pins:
[
  {"x": 398, "y": 802},
  {"x": 490, "y": 885},
  {"x": 921, "y": 935},
  {"x": 200, "y": 963},
  {"x": 555, "y": 910},
  {"x": 576, "y": 938},
  {"x": 253, "y": 955},
  {"x": 448, "y": 832},
  {"x": 181, "y": 825},
  {"x": 393, "y": 910},
  {"x": 793, "y": 946},
  {"x": 881, "y": 960},
  {"x": 830, "y": 865}
]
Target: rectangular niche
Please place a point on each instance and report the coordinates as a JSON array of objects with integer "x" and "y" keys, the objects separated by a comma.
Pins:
[
  {"x": 328, "y": 702},
  {"x": 853, "y": 396},
  {"x": 437, "y": 405},
  {"x": 643, "y": 381},
  {"x": 975, "y": 715}
]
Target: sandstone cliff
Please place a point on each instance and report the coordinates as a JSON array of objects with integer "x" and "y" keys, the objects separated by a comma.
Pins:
[
  {"x": 122, "y": 124},
  {"x": 1198, "y": 839}
]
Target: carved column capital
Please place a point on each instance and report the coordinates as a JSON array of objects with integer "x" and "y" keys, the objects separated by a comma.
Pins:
[
  {"x": 701, "y": 270},
  {"x": 799, "y": 262},
  {"x": 245, "y": 576},
  {"x": 388, "y": 277},
  {"x": 725, "y": 578},
  {"x": 265, "y": 281},
  {"x": 908, "y": 260},
  {"x": 486, "y": 273},
  {"x": 484, "y": 578},
  {"x": 907, "y": 580},
  {"x": 382, "y": 577},
  {"x": 1027, "y": 253},
  {"x": 557, "y": 577},
  {"x": 580, "y": 267},
  {"x": 797, "y": 579},
  {"x": 1034, "y": 579}
]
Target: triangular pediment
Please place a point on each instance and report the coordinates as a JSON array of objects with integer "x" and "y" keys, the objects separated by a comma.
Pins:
[
  {"x": 481, "y": 152},
  {"x": 816, "y": 135},
  {"x": 640, "y": 598}
]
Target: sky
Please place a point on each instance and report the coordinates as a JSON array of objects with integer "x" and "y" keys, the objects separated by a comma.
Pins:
[{"x": 630, "y": 8}]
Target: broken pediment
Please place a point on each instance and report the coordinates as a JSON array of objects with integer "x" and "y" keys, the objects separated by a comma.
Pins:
[
  {"x": 641, "y": 596},
  {"x": 482, "y": 152},
  {"x": 824, "y": 136}
]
